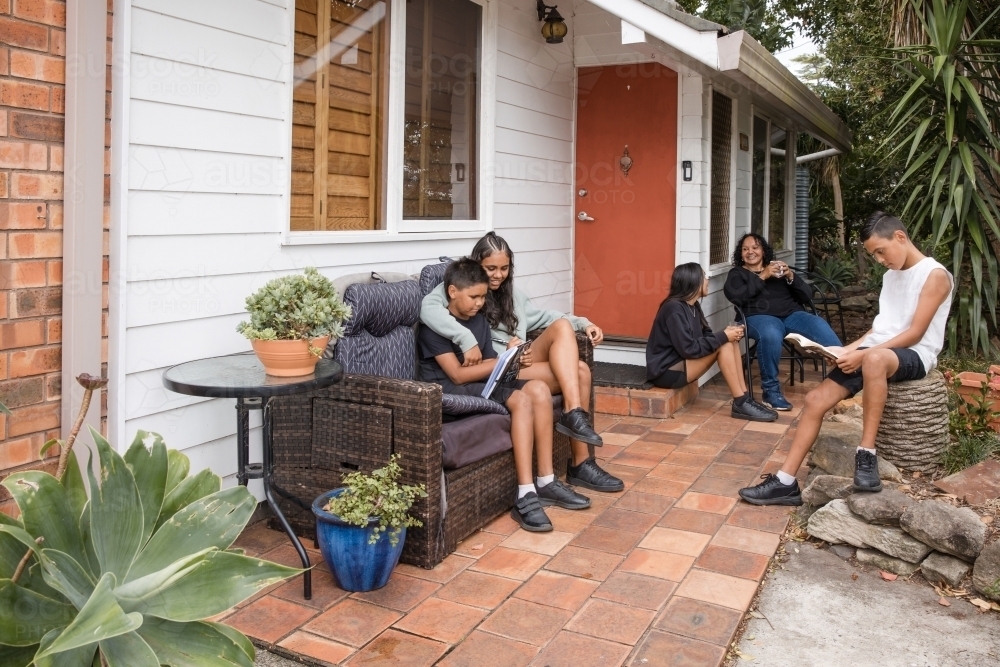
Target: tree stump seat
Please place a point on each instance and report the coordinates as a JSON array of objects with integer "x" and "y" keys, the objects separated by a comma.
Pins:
[{"x": 913, "y": 432}]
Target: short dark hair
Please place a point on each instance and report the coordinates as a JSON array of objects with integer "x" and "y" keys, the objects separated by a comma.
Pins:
[
  {"x": 465, "y": 273},
  {"x": 882, "y": 225},
  {"x": 765, "y": 248}
]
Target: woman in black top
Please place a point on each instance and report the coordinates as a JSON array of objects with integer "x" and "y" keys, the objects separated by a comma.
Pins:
[
  {"x": 682, "y": 347},
  {"x": 774, "y": 300}
]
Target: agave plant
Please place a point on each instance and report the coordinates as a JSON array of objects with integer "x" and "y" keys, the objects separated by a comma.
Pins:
[{"x": 126, "y": 577}]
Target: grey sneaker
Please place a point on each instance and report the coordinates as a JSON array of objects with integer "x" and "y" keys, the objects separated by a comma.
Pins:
[
  {"x": 753, "y": 411},
  {"x": 557, "y": 493}
]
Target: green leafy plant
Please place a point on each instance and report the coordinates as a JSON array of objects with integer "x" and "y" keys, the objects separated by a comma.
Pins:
[
  {"x": 948, "y": 124},
  {"x": 835, "y": 269},
  {"x": 973, "y": 417},
  {"x": 296, "y": 307},
  {"x": 126, "y": 575},
  {"x": 378, "y": 495}
]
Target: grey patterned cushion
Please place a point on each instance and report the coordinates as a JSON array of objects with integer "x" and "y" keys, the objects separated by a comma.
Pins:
[
  {"x": 452, "y": 404},
  {"x": 379, "y": 338},
  {"x": 432, "y": 275},
  {"x": 381, "y": 307}
]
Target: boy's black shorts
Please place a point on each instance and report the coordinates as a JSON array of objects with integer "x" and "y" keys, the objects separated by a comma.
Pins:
[{"x": 910, "y": 368}]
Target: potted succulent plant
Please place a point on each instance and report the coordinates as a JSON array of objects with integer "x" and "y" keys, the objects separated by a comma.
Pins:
[
  {"x": 292, "y": 320},
  {"x": 352, "y": 522}
]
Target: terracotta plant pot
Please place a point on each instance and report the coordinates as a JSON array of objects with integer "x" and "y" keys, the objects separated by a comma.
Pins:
[
  {"x": 288, "y": 358},
  {"x": 971, "y": 386}
]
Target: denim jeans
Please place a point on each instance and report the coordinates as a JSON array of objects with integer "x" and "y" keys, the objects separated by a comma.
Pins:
[{"x": 769, "y": 331}]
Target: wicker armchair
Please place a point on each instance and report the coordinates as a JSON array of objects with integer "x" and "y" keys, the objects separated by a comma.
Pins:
[{"x": 358, "y": 423}]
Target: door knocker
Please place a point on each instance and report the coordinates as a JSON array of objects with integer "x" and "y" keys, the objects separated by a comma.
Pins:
[{"x": 625, "y": 162}]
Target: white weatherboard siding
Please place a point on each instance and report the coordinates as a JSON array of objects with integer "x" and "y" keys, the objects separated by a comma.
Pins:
[{"x": 203, "y": 212}]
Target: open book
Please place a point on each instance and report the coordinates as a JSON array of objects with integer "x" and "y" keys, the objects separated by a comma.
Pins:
[
  {"x": 506, "y": 369},
  {"x": 811, "y": 348}
]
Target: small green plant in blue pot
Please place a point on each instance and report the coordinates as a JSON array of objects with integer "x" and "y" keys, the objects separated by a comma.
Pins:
[{"x": 361, "y": 526}]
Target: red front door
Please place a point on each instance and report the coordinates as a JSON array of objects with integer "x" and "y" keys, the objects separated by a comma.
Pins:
[{"x": 625, "y": 254}]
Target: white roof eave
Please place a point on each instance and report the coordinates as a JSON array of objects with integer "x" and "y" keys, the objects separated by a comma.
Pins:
[
  {"x": 699, "y": 45},
  {"x": 740, "y": 57}
]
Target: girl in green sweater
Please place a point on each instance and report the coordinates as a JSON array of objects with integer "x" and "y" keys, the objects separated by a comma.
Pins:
[{"x": 553, "y": 357}]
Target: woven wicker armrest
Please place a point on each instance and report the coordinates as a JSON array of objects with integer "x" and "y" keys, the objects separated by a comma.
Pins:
[{"x": 358, "y": 424}]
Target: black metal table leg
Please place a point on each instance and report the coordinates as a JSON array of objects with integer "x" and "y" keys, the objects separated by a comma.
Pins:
[
  {"x": 242, "y": 441},
  {"x": 268, "y": 465}
]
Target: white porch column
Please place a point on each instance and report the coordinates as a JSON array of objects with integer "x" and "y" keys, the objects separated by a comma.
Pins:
[{"x": 86, "y": 45}]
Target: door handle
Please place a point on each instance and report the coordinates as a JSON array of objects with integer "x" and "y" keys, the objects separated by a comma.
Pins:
[{"x": 583, "y": 217}]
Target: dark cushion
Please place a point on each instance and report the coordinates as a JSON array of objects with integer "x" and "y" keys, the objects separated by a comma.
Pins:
[
  {"x": 456, "y": 405},
  {"x": 431, "y": 276},
  {"x": 475, "y": 438},
  {"x": 381, "y": 307},
  {"x": 391, "y": 356}
]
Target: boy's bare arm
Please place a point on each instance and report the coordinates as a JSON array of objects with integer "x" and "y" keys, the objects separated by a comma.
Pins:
[{"x": 460, "y": 374}]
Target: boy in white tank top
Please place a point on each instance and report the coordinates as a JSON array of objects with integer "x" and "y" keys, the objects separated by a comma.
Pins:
[{"x": 903, "y": 344}]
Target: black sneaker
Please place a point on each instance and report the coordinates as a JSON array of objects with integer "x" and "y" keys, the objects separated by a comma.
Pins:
[
  {"x": 753, "y": 411},
  {"x": 866, "y": 472},
  {"x": 591, "y": 476},
  {"x": 529, "y": 514},
  {"x": 772, "y": 492},
  {"x": 557, "y": 493},
  {"x": 576, "y": 424}
]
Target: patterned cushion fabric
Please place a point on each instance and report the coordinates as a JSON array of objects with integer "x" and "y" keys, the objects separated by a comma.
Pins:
[
  {"x": 452, "y": 404},
  {"x": 431, "y": 276},
  {"x": 379, "y": 339},
  {"x": 392, "y": 356},
  {"x": 381, "y": 307}
]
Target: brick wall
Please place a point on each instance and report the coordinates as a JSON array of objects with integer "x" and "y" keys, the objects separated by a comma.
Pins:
[{"x": 32, "y": 104}]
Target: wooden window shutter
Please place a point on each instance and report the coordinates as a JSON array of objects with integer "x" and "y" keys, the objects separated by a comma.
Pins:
[
  {"x": 722, "y": 146},
  {"x": 338, "y": 114}
]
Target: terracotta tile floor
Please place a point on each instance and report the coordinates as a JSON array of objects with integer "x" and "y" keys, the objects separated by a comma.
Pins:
[{"x": 660, "y": 574}]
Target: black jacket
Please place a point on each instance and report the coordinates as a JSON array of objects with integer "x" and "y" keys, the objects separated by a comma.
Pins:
[
  {"x": 773, "y": 296},
  {"x": 679, "y": 332}
]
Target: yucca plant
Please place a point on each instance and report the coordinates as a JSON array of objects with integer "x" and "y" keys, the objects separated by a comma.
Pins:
[
  {"x": 128, "y": 576},
  {"x": 949, "y": 121}
]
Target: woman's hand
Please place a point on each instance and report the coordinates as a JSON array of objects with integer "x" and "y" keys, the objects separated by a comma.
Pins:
[
  {"x": 472, "y": 357},
  {"x": 513, "y": 342},
  {"x": 734, "y": 333},
  {"x": 525, "y": 359},
  {"x": 595, "y": 334},
  {"x": 851, "y": 362}
]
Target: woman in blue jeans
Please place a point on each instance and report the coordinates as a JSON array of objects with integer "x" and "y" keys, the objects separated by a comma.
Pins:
[{"x": 774, "y": 301}]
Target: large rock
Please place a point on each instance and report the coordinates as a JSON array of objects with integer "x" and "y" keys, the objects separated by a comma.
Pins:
[
  {"x": 887, "y": 563},
  {"x": 825, "y": 488},
  {"x": 941, "y": 569},
  {"x": 882, "y": 508},
  {"x": 856, "y": 303},
  {"x": 836, "y": 448},
  {"x": 835, "y": 523},
  {"x": 949, "y": 529},
  {"x": 986, "y": 573}
]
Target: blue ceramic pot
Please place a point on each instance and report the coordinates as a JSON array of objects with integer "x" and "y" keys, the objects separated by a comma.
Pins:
[{"x": 356, "y": 565}]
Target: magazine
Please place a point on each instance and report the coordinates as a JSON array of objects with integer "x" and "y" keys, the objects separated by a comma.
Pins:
[
  {"x": 506, "y": 369},
  {"x": 811, "y": 348}
]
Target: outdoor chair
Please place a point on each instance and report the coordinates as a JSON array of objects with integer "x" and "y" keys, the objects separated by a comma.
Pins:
[{"x": 380, "y": 409}]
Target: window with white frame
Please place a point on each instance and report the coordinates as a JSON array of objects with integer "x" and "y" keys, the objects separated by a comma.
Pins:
[
  {"x": 387, "y": 116},
  {"x": 722, "y": 178},
  {"x": 778, "y": 185},
  {"x": 769, "y": 182}
]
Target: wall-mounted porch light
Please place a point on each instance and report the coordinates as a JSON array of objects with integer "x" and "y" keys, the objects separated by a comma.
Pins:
[{"x": 554, "y": 28}]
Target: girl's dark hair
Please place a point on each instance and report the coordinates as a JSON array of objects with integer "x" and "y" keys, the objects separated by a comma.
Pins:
[
  {"x": 499, "y": 306},
  {"x": 738, "y": 253},
  {"x": 685, "y": 283}
]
